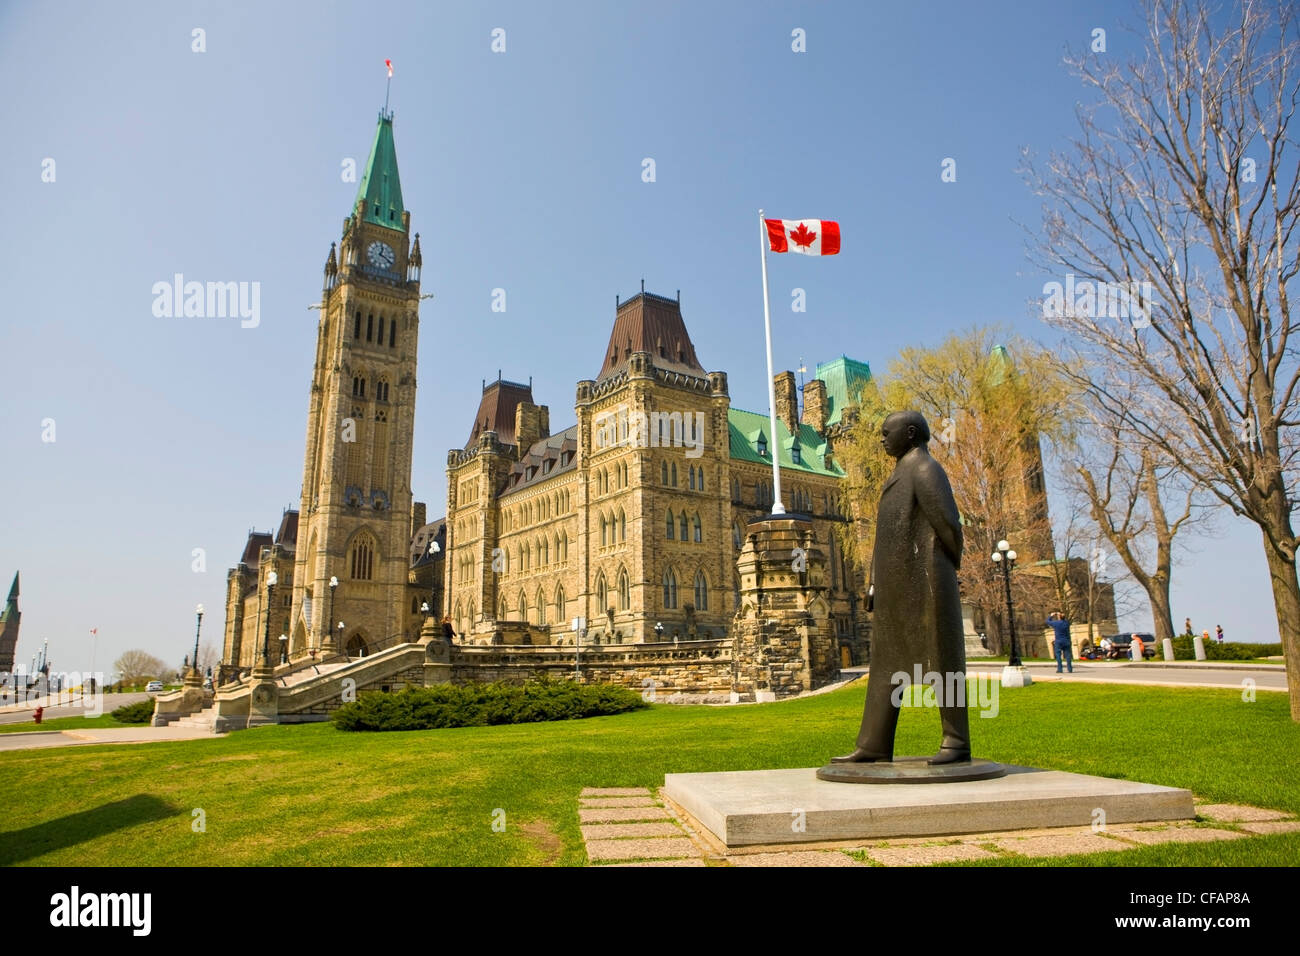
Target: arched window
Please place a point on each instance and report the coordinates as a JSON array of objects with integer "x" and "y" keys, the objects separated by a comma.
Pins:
[
  {"x": 604, "y": 531},
  {"x": 624, "y": 593},
  {"x": 699, "y": 478},
  {"x": 698, "y": 529},
  {"x": 602, "y": 593},
  {"x": 415, "y": 605},
  {"x": 671, "y": 527},
  {"x": 674, "y": 473},
  {"x": 701, "y": 591},
  {"x": 356, "y": 326},
  {"x": 691, "y": 479},
  {"x": 663, "y": 470},
  {"x": 362, "y": 559},
  {"x": 523, "y": 606},
  {"x": 381, "y": 330},
  {"x": 682, "y": 526},
  {"x": 503, "y": 611},
  {"x": 370, "y": 327},
  {"x": 460, "y": 618},
  {"x": 622, "y": 525},
  {"x": 670, "y": 589},
  {"x": 541, "y": 607},
  {"x": 559, "y": 603},
  {"x": 543, "y": 552},
  {"x": 392, "y": 334},
  {"x": 737, "y": 539}
]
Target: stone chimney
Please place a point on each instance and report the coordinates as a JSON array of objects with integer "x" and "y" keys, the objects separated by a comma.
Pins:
[
  {"x": 418, "y": 511},
  {"x": 787, "y": 401},
  {"x": 531, "y": 423},
  {"x": 814, "y": 405}
]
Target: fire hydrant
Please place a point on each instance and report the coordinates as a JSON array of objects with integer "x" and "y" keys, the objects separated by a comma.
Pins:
[{"x": 37, "y": 713}]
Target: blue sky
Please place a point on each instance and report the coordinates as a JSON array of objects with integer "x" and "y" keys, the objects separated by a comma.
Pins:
[{"x": 523, "y": 171}]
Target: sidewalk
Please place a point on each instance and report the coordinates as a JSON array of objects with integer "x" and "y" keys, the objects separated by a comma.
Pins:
[{"x": 44, "y": 739}]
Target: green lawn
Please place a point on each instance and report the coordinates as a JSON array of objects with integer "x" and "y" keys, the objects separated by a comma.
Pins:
[
  {"x": 64, "y": 723},
  {"x": 312, "y": 795}
]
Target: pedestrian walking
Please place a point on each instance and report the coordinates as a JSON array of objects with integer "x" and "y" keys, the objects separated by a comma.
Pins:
[
  {"x": 1218, "y": 632},
  {"x": 1060, "y": 640},
  {"x": 1187, "y": 627}
]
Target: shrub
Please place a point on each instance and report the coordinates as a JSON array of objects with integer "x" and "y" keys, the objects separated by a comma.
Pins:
[
  {"x": 141, "y": 712},
  {"x": 1185, "y": 650},
  {"x": 478, "y": 705}
]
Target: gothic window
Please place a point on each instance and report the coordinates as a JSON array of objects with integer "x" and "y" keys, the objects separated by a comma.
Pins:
[
  {"x": 691, "y": 479},
  {"x": 604, "y": 531},
  {"x": 543, "y": 552},
  {"x": 663, "y": 472},
  {"x": 523, "y": 606},
  {"x": 415, "y": 605},
  {"x": 682, "y": 526},
  {"x": 356, "y": 326},
  {"x": 699, "y": 478},
  {"x": 502, "y": 611},
  {"x": 674, "y": 473},
  {"x": 671, "y": 527},
  {"x": 381, "y": 330},
  {"x": 796, "y": 454},
  {"x": 622, "y": 525},
  {"x": 701, "y": 591},
  {"x": 392, "y": 334},
  {"x": 736, "y": 537},
  {"x": 362, "y": 560},
  {"x": 698, "y": 529},
  {"x": 670, "y": 590},
  {"x": 370, "y": 327},
  {"x": 602, "y": 592},
  {"x": 381, "y": 390},
  {"x": 624, "y": 594},
  {"x": 541, "y": 607},
  {"x": 559, "y": 603}
]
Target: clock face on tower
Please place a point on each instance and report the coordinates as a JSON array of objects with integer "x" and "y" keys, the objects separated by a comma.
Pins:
[{"x": 380, "y": 254}]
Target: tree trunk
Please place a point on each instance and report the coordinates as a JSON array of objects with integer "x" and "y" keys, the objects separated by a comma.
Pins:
[
  {"x": 1286, "y": 599},
  {"x": 1157, "y": 588}
]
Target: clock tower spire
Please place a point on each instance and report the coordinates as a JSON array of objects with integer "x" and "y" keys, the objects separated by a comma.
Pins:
[{"x": 355, "y": 519}]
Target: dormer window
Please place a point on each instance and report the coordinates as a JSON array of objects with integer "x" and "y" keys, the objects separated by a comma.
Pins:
[
  {"x": 762, "y": 447},
  {"x": 796, "y": 454}
]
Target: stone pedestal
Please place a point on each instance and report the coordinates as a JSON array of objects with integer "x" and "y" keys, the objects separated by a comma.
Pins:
[
  {"x": 263, "y": 699},
  {"x": 1199, "y": 644},
  {"x": 784, "y": 637},
  {"x": 1168, "y": 649},
  {"x": 1016, "y": 676},
  {"x": 437, "y": 655},
  {"x": 190, "y": 699}
]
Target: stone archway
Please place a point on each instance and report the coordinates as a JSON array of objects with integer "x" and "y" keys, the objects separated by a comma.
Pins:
[{"x": 357, "y": 645}]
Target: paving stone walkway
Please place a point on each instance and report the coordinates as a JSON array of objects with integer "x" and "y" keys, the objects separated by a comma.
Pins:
[{"x": 636, "y": 827}]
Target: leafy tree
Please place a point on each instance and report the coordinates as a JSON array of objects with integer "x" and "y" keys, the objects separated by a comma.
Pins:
[{"x": 137, "y": 665}]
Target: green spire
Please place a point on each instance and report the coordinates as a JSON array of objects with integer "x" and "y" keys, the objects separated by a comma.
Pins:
[{"x": 380, "y": 186}]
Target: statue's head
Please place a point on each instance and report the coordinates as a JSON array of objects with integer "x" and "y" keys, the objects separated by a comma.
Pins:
[{"x": 903, "y": 431}]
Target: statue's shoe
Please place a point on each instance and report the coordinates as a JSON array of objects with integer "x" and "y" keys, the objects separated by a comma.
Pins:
[
  {"x": 861, "y": 756},
  {"x": 950, "y": 755}
]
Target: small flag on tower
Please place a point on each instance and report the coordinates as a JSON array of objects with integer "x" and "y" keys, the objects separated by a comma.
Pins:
[
  {"x": 811, "y": 237},
  {"x": 389, "y": 64}
]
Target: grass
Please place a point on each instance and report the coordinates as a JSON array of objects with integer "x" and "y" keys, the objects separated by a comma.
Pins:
[
  {"x": 313, "y": 795},
  {"x": 64, "y": 723}
]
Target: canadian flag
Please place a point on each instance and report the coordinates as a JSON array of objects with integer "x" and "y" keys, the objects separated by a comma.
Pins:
[{"x": 812, "y": 237}]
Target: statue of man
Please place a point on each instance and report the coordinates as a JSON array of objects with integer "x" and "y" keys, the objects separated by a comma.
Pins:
[{"x": 917, "y": 606}]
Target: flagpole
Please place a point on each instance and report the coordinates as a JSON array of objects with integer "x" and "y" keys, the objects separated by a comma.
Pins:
[{"x": 774, "y": 444}]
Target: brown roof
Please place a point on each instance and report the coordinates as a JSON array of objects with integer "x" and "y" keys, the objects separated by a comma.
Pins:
[
  {"x": 548, "y": 457},
  {"x": 496, "y": 410},
  {"x": 257, "y": 540},
  {"x": 650, "y": 323},
  {"x": 287, "y": 536},
  {"x": 433, "y": 531}
]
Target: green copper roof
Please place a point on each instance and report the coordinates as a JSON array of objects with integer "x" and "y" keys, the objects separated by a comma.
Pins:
[
  {"x": 843, "y": 377},
  {"x": 380, "y": 186},
  {"x": 746, "y": 427},
  {"x": 999, "y": 364},
  {"x": 11, "y": 606}
]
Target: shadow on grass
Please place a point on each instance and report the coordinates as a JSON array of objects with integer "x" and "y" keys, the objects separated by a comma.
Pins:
[{"x": 17, "y": 846}]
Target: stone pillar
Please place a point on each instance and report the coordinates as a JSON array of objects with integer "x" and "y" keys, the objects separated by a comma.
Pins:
[
  {"x": 787, "y": 403},
  {"x": 437, "y": 655},
  {"x": 815, "y": 405},
  {"x": 784, "y": 637},
  {"x": 263, "y": 700}
]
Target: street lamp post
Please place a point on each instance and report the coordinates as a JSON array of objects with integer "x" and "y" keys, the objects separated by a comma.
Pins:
[
  {"x": 197, "y": 628},
  {"x": 271, "y": 578},
  {"x": 329, "y": 630},
  {"x": 659, "y": 630},
  {"x": 284, "y": 648},
  {"x": 1014, "y": 674}
]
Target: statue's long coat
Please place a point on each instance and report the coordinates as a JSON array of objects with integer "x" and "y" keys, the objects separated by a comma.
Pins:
[{"x": 917, "y": 615}]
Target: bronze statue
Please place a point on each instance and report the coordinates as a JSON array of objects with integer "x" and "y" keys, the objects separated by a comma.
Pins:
[{"x": 917, "y": 619}]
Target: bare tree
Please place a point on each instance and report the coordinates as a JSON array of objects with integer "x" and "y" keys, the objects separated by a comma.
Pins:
[
  {"x": 1180, "y": 197},
  {"x": 137, "y": 665}
]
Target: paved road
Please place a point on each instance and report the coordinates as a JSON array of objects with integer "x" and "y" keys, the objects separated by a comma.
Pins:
[
  {"x": 22, "y": 713},
  {"x": 1190, "y": 674}
]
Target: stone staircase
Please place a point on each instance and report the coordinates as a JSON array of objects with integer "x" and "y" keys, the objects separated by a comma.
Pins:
[{"x": 205, "y": 719}]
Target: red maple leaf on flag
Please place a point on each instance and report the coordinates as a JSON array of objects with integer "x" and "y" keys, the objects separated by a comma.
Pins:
[{"x": 802, "y": 237}]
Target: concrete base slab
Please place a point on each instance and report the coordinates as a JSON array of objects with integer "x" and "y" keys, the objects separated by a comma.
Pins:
[
  {"x": 754, "y": 807},
  {"x": 1015, "y": 677}
]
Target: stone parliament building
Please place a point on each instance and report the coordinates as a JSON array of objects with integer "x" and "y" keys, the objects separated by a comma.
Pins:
[{"x": 632, "y": 520}]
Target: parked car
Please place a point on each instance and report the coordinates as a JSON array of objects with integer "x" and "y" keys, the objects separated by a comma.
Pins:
[
  {"x": 1123, "y": 642},
  {"x": 153, "y": 687}
]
